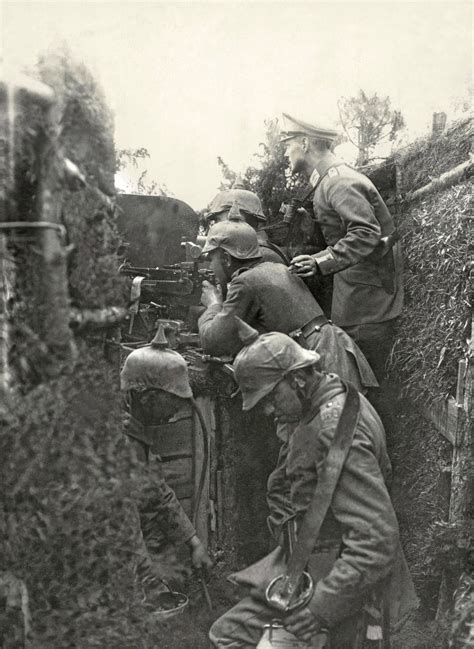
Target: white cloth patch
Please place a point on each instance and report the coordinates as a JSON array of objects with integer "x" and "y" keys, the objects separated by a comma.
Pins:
[
  {"x": 374, "y": 632},
  {"x": 313, "y": 179}
]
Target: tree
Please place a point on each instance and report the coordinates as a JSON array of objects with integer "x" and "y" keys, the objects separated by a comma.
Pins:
[
  {"x": 131, "y": 160},
  {"x": 367, "y": 121},
  {"x": 270, "y": 177}
]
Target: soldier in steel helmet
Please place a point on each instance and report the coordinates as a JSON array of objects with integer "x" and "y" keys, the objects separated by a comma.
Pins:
[
  {"x": 270, "y": 298},
  {"x": 240, "y": 204},
  {"x": 155, "y": 383},
  {"x": 354, "y": 557},
  {"x": 362, "y": 252}
]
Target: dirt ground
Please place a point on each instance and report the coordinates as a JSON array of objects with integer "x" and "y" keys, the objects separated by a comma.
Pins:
[{"x": 189, "y": 630}]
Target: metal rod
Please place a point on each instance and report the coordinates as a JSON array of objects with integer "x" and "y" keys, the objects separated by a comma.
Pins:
[
  {"x": 207, "y": 595},
  {"x": 220, "y": 506}
]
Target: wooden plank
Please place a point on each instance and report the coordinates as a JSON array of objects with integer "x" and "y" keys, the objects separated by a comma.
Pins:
[
  {"x": 447, "y": 179},
  {"x": 461, "y": 384},
  {"x": 461, "y": 462},
  {"x": 445, "y": 418},
  {"x": 460, "y": 470}
]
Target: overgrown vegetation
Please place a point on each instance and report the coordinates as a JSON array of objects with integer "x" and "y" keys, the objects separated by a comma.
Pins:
[
  {"x": 70, "y": 483},
  {"x": 428, "y": 158},
  {"x": 270, "y": 178},
  {"x": 435, "y": 323},
  {"x": 367, "y": 121},
  {"x": 68, "y": 523}
]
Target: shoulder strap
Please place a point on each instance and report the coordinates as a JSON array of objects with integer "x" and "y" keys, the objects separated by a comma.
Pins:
[
  {"x": 271, "y": 246},
  {"x": 323, "y": 494}
]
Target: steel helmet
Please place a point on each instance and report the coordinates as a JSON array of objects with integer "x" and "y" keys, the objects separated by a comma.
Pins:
[
  {"x": 155, "y": 366},
  {"x": 237, "y": 238},
  {"x": 244, "y": 199},
  {"x": 265, "y": 360}
]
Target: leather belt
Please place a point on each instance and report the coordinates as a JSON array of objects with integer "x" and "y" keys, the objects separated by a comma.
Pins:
[{"x": 309, "y": 327}]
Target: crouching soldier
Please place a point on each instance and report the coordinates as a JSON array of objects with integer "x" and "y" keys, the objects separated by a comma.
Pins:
[
  {"x": 338, "y": 571},
  {"x": 270, "y": 298},
  {"x": 156, "y": 386}
]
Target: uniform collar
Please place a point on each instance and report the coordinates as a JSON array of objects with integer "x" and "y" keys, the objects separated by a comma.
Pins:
[
  {"x": 241, "y": 270},
  {"x": 325, "y": 164},
  {"x": 329, "y": 386}
]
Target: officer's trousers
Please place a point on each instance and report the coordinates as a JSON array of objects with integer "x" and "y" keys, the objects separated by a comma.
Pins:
[{"x": 376, "y": 342}]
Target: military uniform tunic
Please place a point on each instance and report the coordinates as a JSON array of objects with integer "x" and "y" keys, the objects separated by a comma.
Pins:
[
  {"x": 361, "y": 520},
  {"x": 270, "y": 298},
  {"x": 358, "y": 546},
  {"x": 354, "y": 218},
  {"x": 162, "y": 516}
]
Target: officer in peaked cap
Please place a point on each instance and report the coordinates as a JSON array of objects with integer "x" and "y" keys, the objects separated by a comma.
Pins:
[
  {"x": 361, "y": 241},
  {"x": 240, "y": 204}
]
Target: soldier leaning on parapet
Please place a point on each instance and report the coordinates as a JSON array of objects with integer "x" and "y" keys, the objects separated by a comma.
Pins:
[
  {"x": 155, "y": 384},
  {"x": 268, "y": 297},
  {"x": 240, "y": 204},
  {"x": 362, "y": 250},
  {"x": 340, "y": 525}
]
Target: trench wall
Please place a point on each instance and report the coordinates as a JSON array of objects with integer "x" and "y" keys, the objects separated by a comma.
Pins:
[
  {"x": 68, "y": 524},
  {"x": 431, "y": 366}
]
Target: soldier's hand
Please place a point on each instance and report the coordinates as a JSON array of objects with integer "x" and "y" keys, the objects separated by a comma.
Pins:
[
  {"x": 304, "y": 266},
  {"x": 199, "y": 556},
  {"x": 302, "y": 623},
  {"x": 211, "y": 294}
]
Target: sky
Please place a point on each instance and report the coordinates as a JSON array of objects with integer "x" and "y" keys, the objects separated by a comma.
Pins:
[{"x": 192, "y": 81}]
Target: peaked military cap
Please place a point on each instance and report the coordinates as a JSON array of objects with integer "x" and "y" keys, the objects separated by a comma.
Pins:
[{"x": 294, "y": 127}]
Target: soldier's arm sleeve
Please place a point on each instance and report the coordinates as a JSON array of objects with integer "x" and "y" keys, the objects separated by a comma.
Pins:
[
  {"x": 370, "y": 537},
  {"x": 217, "y": 328},
  {"x": 164, "y": 511},
  {"x": 352, "y": 202}
]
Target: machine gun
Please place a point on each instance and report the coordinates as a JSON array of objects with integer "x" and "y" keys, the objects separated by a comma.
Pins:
[
  {"x": 168, "y": 295},
  {"x": 162, "y": 259}
]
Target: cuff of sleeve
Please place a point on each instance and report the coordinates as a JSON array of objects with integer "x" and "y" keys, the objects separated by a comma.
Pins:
[
  {"x": 326, "y": 262},
  {"x": 327, "y": 616}
]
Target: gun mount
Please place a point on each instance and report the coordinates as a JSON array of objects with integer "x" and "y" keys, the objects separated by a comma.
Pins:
[{"x": 164, "y": 268}]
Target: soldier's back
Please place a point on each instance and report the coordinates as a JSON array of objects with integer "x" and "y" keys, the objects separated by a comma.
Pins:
[{"x": 285, "y": 302}]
